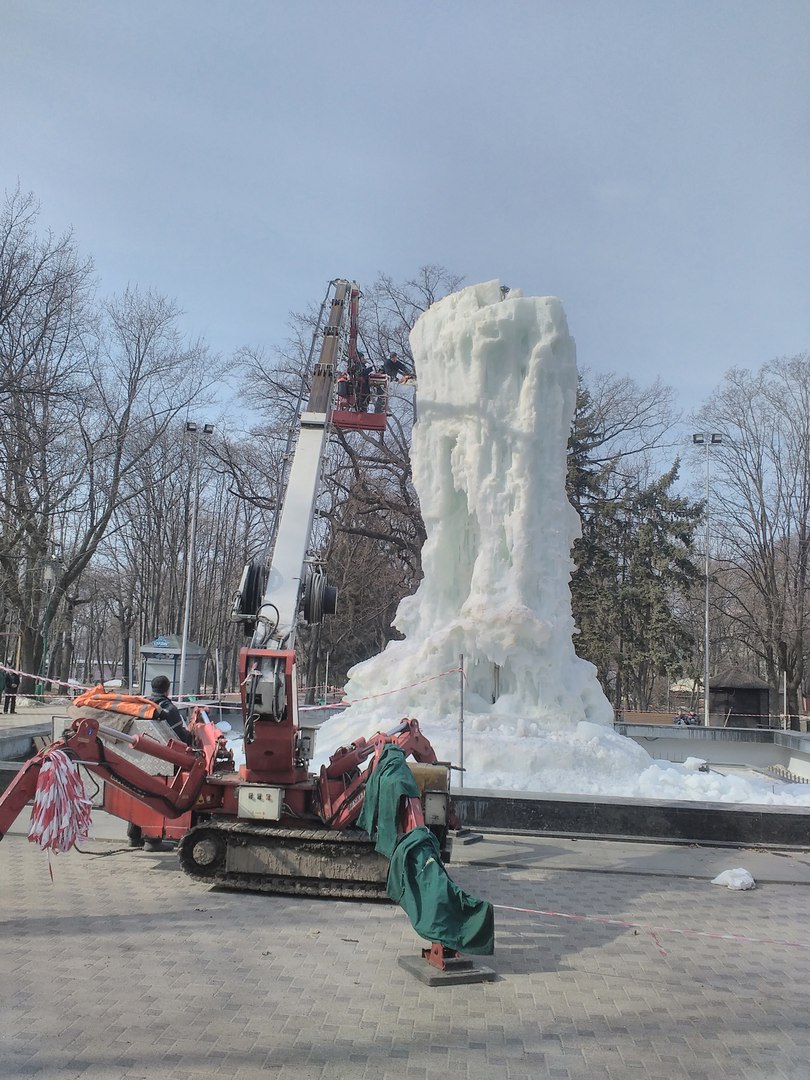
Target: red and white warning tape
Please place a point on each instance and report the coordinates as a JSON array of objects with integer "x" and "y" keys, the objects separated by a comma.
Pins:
[
  {"x": 43, "y": 679},
  {"x": 653, "y": 931},
  {"x": 407, "y": 686},
  {"x": 61, "y": 812},
  {"x": 334, "y": 705}
]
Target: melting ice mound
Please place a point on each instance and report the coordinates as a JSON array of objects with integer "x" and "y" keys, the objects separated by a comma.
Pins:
[{"x": 497, "y": 385}]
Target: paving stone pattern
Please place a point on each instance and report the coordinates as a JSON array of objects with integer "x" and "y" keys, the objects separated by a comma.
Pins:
[{"x": 123, "y": 969}]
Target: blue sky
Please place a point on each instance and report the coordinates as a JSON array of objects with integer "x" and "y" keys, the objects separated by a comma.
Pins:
[{"x": 647, "y": 162}]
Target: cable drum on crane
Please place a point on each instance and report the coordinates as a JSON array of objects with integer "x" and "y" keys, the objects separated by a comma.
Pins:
[
  {"x": 320, "y": 598},
  {"x": 250, "y": 593}
]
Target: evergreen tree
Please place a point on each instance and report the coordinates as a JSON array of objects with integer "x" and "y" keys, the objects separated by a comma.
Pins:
[
  {"x": 584, "y": 477},
  {"x": 657, "y": 571},
  {"x": 593, "y": 581},
  {"x": 632, "y": 565}
]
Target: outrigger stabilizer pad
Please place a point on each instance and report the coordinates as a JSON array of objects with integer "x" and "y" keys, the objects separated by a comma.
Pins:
[{"x": 440, "y": 966}]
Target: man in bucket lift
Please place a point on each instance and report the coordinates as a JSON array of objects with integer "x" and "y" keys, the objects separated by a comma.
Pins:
[
  {"x": 393, "y": 368},
  {"x": 345, "y": 391},
  {"x": 361, "y": 380}
]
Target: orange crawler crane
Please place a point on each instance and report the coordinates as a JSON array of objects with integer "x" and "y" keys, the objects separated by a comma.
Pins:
[{"x": 272, "y": 825}]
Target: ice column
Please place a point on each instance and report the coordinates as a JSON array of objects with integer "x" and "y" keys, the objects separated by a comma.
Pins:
[{"x": 496, "y": 392}]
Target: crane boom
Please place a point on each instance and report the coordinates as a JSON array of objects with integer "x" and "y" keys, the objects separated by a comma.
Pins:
[
  {"x": 269, "y": 601},
  {"x": 278, "y": 611}
]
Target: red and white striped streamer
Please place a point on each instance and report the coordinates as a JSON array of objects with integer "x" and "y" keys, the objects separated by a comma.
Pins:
[
  {"x": 654, "y": 931},
  {"x": 406, "y": 686},
  {"x": 42, "y": 679},
  {"x": 61, "y": 812}
]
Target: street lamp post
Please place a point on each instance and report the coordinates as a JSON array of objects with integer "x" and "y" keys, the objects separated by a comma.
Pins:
[
  {"x": 48, "y": 582},
  {"x": 195, "y": 429},
  {"x": 707, "y": 439}
]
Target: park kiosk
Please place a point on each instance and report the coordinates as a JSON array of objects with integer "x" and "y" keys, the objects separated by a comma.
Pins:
[{"x": 162, "y": 657}]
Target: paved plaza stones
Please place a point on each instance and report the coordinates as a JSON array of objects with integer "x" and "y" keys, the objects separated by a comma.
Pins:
[{"x": 123, "y": 968}]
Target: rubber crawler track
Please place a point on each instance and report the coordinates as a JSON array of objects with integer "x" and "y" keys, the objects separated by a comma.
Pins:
[{"x": 325, "y": 843}]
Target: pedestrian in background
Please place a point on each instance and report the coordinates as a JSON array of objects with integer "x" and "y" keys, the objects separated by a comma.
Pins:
[{"x": 11, "y": 688}]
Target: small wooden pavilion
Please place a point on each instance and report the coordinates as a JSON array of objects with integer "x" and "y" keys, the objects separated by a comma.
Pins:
[{"x": 738, "y": 699}]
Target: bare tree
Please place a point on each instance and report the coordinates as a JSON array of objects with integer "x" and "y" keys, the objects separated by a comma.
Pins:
[
  {"x": 630, "y": 426},
  {"x": 761, "y": 512},
  {"x": 391, "y": 308},
  {"x": 91, "y": 389},
  {"x": 144, "y": 559},
  {"x": 45, "y": 316}
]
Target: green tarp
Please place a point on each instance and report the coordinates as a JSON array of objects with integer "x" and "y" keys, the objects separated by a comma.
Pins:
[
  {"x": 417, "y": 880},
  {"x": 390, "y": 781}
]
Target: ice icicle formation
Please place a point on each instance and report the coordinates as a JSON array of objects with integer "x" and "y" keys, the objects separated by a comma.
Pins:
[{"x": 497, "y": 385}]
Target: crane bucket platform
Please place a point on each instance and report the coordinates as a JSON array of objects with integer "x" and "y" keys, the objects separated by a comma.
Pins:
[
  {"x": 358, "y": 421},
  {"x": 361, "y": 403}
]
